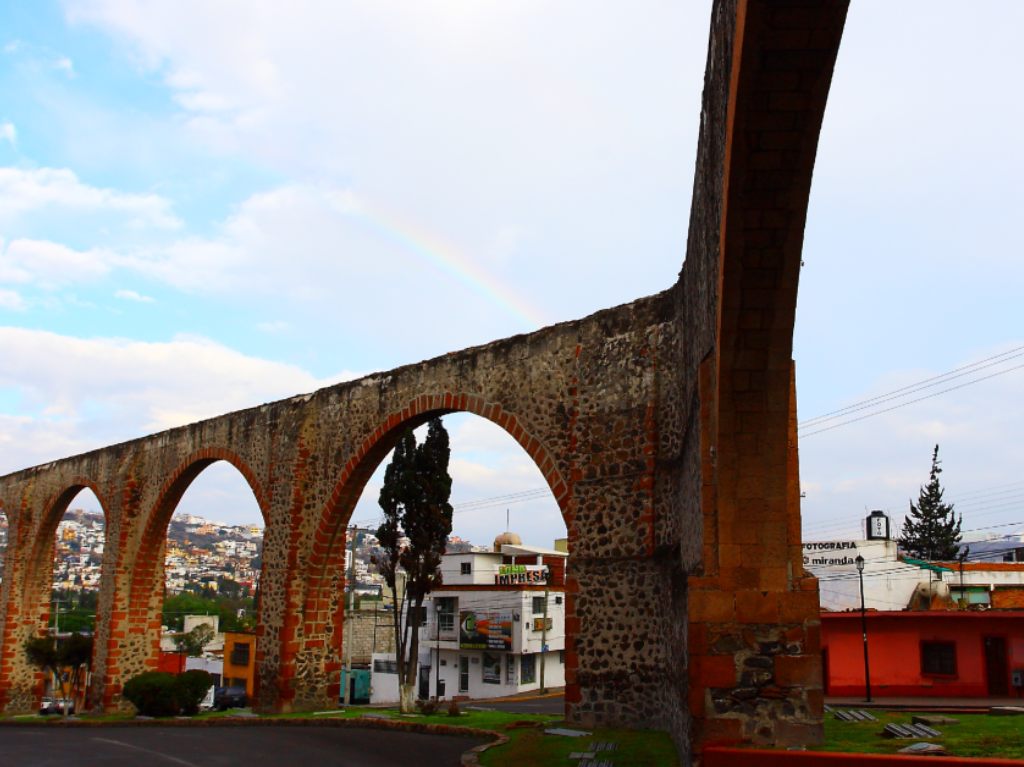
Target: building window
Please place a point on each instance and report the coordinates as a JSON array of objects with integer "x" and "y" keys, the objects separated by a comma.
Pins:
[
  {"x": 446, "y": 609},
  {"x": 974, "y": 596},
  {"x": 385, "y": 666},
  {"x": 466, "y": 568},
  {"x": 528, "y": 669},
  {"x": 538, "y": 605},
  {"x": 510, "y": 669},
  {"x": 240, "y": 654},
  {"x": 938, "y": 658},
  {"x": 561, "y": 657}
]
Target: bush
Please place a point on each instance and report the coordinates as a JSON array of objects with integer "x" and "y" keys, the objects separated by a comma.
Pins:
[
  {"x": 157, "y": 693},
  {"x": 191, "y": 688},
  {"x": 153, "y": 693},
  {"x": 428, "y": 707},
  {"x": 453, "y": 708}
]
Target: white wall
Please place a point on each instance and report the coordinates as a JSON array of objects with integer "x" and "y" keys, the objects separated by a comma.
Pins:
[
  {"x": 554, "y": 673},
  {"x": 383, "y": 687}
]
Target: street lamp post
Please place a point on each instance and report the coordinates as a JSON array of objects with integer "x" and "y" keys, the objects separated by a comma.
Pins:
[
  {"x": 437, "y": 651},
  {"x": 864, "y": 629}
]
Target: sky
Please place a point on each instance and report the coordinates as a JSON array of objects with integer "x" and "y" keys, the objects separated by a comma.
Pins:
[{"x": 204, "y": 207}]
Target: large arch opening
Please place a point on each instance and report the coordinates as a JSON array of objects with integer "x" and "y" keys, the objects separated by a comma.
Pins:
[
  {"x": 62, "y": 583},
  {"x": 502, "y": 478},
  {"x": 194, "y": 595}
]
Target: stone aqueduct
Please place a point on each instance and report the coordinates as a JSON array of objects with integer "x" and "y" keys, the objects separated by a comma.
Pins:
[{"x": 665, "y": 429}]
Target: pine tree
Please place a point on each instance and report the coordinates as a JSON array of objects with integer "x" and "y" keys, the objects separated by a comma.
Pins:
[
  {"x": 931, "y": 531},
  {"x": 414, "y": 499}
]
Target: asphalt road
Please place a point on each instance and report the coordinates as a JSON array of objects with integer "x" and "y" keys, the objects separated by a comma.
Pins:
[
  {"x": 549, "y": 705},
  {"x": 252, "y": 746}
]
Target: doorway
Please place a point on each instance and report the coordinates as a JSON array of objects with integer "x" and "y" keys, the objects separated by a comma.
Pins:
[
  {"x": 463, "y": 673},
  {"x": 996, "y": 668}
]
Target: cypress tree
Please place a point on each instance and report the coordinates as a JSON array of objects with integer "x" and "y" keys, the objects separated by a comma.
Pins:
[
  {"x": 931, "y": 531},
  {"x": 414, "y": 499}
]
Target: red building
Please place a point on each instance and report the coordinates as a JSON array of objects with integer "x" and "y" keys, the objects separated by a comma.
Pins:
[{"x": 945, "y": 653}]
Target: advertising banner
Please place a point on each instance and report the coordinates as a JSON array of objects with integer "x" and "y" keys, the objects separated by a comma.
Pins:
[{"x": 485, "y": 631}]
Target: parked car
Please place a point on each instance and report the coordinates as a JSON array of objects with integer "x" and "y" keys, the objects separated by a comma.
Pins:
[
  {"x": 56, "y": 706},
  {"x": 229, "y": 697}
]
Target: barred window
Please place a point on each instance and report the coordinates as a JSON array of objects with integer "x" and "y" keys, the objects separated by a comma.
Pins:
[{"x": 938, "y": 658}]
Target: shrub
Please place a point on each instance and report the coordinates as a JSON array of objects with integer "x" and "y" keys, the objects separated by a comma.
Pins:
[
  {"x": 157, "y": 693},
  {"x": 427, "y": 707},
  {"x": 191, "y": 687},
  {"x": 153, "y": 693},
  {"x": 453, "y": 708}
]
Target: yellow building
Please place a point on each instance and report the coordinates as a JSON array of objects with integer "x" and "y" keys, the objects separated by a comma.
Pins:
[{"x": 239, "y": 660}]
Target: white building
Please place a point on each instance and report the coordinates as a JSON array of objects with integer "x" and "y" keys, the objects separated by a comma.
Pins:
[
  {"x": 496, "y": 626},
  {"x": 894, "y": 582}
]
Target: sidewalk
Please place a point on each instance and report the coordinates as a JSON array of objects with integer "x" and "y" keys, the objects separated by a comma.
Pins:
[{"x": 976, "y": 705}]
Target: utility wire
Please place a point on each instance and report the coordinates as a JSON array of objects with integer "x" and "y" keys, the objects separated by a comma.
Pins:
[
  {"x": 909, "y": 402},
  {"x": 927, "y": 383}
]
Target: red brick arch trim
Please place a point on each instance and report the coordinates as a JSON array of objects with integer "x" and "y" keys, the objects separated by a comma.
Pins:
[
  {"x": 167, "y": 500},
  {"x": 201, "y": 459},
  {"x": 418, "y": 411},
  {"x": 357, "y": 471},
  {"x": 53, "y": 511}
]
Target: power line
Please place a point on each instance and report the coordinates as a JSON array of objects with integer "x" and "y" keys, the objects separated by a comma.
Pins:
[
  {"x": 910, "y": 402},
  {"x": 927, "y": 383}
]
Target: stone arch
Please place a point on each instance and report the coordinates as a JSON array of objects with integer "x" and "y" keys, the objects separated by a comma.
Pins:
[
  {"x": 29, "y": 595},
  {"x": 37, "y": 566},
  {"x": 135, "y": 630},
  {"x": 327, "y": 552}
]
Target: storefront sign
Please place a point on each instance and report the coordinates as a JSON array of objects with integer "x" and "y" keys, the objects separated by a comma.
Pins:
[
  {"x": 485, "y": 631},
  {"x": 830, "y": 553},
  {"x": 512, "y": 575}
]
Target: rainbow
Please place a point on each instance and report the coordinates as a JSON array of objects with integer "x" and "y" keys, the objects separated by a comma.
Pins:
[{"x": 447, "y": 259}]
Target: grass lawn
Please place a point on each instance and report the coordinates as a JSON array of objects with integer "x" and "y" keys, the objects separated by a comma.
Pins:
[{"x": 975, "y": 735}]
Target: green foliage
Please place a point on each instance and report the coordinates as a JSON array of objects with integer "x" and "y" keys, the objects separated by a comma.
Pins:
[
  {"x": 414, "y": 499},
  {"x": 209, "y": 602},
  {"x": 69, "y": 655},
  {"x": 42, "y": 653},
  {"x": 77, "y": 609},
  {"x": 192, "y": 687},
  {"x": 193, "y": 642},
  {"x": 158, "y": 693},
  {"x": 153, "y": 693},
  {"x": 931, "y": 531}
]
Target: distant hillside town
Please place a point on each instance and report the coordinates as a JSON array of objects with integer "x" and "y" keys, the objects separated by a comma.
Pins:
[{"x": 202, "y": 554}]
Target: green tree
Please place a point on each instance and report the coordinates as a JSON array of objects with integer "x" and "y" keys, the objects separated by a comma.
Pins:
[
  {"x": 931, "y": 531},
  {"x": 414, "y": 499},
  {"x": 193, "y": 642},
  {"x": 64, "y": 660}
]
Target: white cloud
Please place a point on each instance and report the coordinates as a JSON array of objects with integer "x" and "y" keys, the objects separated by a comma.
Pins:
[
  {"x": 131, "y": 295},
  {"x": 273, "y": 327},
  {"x": 23, "y": 190},
  {"x": 101, "y": 390},
  {"x": 50, "y": 265},
  {"x": 9, "y": 299},
  {"x": 8, "y": 133},
  {"x": 64, "y": 64}
]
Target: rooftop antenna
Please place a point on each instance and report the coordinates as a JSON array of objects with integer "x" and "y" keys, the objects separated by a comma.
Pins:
[{"x": 507, "y": 527}]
